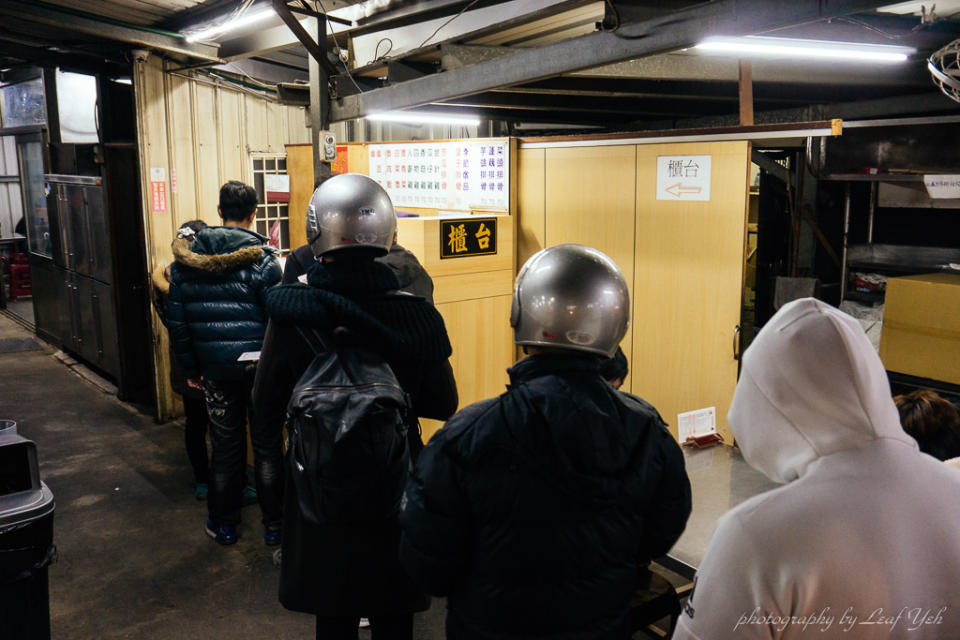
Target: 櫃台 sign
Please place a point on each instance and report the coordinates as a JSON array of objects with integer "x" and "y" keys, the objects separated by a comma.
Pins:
[
  {"x": 462, "y": 237},
  {"x": 683, "y": 178}
]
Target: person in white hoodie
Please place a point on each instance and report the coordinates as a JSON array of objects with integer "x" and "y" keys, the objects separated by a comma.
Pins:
[{"x": 863, "y": 541}]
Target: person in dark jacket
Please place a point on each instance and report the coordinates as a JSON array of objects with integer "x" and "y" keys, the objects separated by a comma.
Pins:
[
  {"x": 342, "y": 571},
  {"x": 411, "y": 275},
  {"x": 190, "y": 391},
  {"x": 536, "y": 511},
  {"x": 615, "y": 369},
  {"x": 216, "y": 317}
]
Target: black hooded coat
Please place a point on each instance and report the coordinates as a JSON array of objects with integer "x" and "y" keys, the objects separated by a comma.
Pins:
[
  {"x": 335, "y": 569},
  {"x": 534, "y": 511}
]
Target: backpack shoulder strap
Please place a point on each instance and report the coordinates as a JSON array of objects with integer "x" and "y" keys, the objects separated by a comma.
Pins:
[{"x": 314, "y": 340}]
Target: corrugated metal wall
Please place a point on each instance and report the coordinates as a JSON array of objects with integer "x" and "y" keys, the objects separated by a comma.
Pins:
[{"x": 196, "y": 133}]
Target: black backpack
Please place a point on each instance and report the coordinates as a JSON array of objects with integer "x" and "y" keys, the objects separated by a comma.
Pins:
[{"x": 346, "y": 421}]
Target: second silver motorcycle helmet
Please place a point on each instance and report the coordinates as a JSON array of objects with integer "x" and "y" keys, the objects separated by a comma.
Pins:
[
  {"x": 348, "y": 211},
  {"x": 573, "y": 297}
]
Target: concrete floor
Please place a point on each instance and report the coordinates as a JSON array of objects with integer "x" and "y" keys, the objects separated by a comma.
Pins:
[
  {"x": 23, "y": 308},
  {"x": 134, "y": 561}
]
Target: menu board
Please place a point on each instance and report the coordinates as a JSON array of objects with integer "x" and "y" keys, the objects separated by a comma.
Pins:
[{"x": 461, "y": 175}]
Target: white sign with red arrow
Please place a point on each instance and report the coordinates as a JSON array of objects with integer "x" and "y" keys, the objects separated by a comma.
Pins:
[{"x": 683, "y": 178}]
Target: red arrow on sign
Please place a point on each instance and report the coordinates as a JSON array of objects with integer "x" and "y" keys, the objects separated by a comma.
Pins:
[{"x": 678, "y": 190}]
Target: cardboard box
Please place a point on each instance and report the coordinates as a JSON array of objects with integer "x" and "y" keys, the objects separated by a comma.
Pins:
[{"x": 921, "y": 326}]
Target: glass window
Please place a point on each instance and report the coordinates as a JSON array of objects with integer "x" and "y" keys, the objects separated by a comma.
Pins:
[
  {"x": 77, "y": 105},
  {"x": 23, "y": 104},
  {"x": 35, "y": 198},
  {"x": 272, "y": 219}
]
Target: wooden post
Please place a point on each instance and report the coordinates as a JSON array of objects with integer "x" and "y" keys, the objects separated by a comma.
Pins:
[
  {"x": 746, "y": 93},
  {"x": 319, "y": 105}
]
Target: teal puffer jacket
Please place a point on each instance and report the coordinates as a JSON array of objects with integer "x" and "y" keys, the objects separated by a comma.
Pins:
[{"x": 215, "y": 311}]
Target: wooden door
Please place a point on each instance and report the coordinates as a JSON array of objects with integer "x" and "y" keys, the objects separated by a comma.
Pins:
[
  {"x": 589, "y": 199},
  {"x": 687, "y": 283}
]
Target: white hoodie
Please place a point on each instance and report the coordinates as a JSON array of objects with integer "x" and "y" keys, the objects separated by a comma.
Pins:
[{"x": 863, "y": 541}]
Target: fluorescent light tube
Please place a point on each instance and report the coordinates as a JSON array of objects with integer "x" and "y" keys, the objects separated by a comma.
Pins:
[
  {"x": 758, "y": 46},
  {"x": 231, "y": 25},
  {"x": 423, "y": 118}
]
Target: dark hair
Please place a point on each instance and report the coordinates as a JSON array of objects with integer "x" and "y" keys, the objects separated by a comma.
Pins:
[
  {"x": 237, "y": 201},
  {"x": 194, "y": 225},
  {"x": 615, "y": 368},
  {"x": 932, "y": 421}
]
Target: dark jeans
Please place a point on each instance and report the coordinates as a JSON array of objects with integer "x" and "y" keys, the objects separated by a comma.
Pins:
[
  {"x": 195, "y": 437},
  {"x": 229, "y": 405},
  {"x": 392, "y": 627}
]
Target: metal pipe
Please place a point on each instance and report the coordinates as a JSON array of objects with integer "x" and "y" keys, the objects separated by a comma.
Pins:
[
  {"x": 873, "y": 208},
  {"x": 846, "y": 230}
]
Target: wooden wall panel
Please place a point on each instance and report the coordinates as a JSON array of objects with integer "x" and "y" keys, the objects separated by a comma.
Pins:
[
  {"x": 152, "y": 127},
  {"x": 206, "y": 152},
  {"x": 232, "y": 153},
  {"x": 180, "y": 128},
  {"x": 152, "y": 119},
  {"x": 297, "y": 126},
  {"x": 276, "y": 127},
  {"x": 689, "y": 277},
  {"x": 531, "y": 208},
  {"x": 300, "y": 170},
  {"x": 589, "y": 199},
  {"x": 257, "y": 128},
  {"x": 482, "y": 348}
]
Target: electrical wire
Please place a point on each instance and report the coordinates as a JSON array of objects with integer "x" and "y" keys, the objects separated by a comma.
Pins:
[
  {"x": 376, "y": 49},
  {"x": 616, "y": 16},
  {"x": 886, "y": 34},
  {"x": 336, "y": 45},
  {"x": 459, "y": 13}
]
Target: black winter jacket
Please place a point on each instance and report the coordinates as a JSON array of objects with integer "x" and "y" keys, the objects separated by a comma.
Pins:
[
  {"x": 216, "y": 307},
  {"x": 411, "y": 275},
  {"x": 351, "y": 569},
  {"x": 534, "y": 511}
]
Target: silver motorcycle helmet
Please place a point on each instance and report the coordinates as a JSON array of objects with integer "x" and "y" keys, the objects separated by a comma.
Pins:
[
  {"x": 571, "y": 297},
  {"x": 350, "y": 211}
]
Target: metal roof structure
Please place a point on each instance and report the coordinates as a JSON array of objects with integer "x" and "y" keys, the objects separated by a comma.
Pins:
[{"x": 537, "y": 64}]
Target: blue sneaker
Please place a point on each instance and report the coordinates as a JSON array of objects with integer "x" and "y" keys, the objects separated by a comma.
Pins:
[
  {"x": 271, "y": 536},
  {"x": 224, "y": 534}
]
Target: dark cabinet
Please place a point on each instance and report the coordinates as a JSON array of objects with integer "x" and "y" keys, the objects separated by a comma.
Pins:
[
  {"x": 78, "y": 308},
  {"x": 78, "y": 213}
]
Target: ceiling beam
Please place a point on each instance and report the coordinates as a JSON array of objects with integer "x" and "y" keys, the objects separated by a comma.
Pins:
[
  {"x": 72, "y": 22},
  {"x": 316, "y": 48},
  {"x": 923, "y": 103},
  {"x": 605, "y": 106},
  {"x": 262, "y": 41},
  {"x": 658, "y": 35},
  {"x": 696, "y": 68}
]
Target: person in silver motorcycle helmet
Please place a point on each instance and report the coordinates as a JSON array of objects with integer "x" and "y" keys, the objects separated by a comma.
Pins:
[
  {"x": 571, "y": 297},
  {"x": 350, "y": 211}
]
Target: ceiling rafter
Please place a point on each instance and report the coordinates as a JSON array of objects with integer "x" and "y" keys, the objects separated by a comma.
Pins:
[{"x": 657, "y": 35}]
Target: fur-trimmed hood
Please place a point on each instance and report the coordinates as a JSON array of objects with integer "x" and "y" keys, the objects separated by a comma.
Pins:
[
  {"x": 161, "y": 278},
  {"x": 220, "y": 249}
]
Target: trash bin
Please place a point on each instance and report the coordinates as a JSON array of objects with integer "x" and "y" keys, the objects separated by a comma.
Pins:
[{"x": 26, "y": 541}]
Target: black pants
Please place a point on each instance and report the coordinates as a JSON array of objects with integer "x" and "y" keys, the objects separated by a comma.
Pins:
[
  {"x": 229, "y": 405},
  {"x": 195, "y": 437},
  {"x": 393, "y": 627}
]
